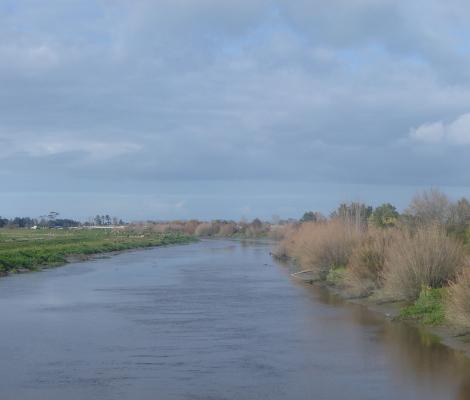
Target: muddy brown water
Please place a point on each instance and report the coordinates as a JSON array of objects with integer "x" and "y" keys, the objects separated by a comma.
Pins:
[{"x": 210, "y": 320}]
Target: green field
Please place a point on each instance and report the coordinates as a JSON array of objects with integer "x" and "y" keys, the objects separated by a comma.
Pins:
[{"x": 23, "y": 249}]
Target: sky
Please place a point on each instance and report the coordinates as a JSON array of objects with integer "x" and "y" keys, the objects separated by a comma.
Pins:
[{"x": 177, "y": 109}]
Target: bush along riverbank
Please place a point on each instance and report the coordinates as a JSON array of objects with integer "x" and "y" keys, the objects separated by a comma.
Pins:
[
  {"x": 23, "y": 250},
  {"x": 416, "y": 264}
]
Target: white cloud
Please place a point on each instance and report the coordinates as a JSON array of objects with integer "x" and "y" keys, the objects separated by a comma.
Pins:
[
  {"x": 459, "y": 130},
  {"x": 454, "y": 132},
  {"x": 93, "y": 149},
  {"x": 431, "y": 133}
]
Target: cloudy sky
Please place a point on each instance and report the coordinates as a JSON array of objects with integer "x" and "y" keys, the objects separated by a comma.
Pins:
[{"x": 230, "y": 108}]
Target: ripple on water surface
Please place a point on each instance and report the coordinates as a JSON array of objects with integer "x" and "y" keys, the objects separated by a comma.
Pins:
[{"x": 210, "y": 320}]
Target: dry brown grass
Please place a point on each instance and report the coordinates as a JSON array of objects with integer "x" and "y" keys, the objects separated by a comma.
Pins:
[
  {"x": 458, "y": 301},
  {"x": 320, "y": 247},
  {"x": 425, "y": 258},
  {"x": 364, "y": 271}
]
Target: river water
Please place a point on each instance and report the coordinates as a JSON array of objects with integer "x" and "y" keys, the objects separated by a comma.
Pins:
[{"x": 206, "y": 321}]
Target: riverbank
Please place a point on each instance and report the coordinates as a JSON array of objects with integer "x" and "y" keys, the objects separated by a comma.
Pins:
[{"x": 24, "y": 250}]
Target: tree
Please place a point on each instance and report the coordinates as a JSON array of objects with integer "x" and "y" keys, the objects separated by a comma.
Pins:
[
  {"x": 384, "y": 216},
  {"x": 430, "y": 206},
  {"x": 459, "y": 217},
  {"x": 311, "y": 216},
  {"x": 98, "y": 221},
  {"x": 353, "y": 213}
]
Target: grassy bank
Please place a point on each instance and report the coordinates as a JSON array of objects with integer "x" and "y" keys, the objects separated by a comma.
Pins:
[{"x": 23, "y": 249}]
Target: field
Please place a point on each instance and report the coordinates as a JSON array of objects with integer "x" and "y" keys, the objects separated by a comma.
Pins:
[{"x": 23, "y": 249}]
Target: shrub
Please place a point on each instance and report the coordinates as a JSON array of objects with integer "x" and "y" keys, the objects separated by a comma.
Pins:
[
  {"x": 364, "y": 271},
  {"x": 321, "y": 247},
  {"x": 190, "y": 227},
  {"x": 458, "y": 301},
  {"x": 459, "y": 220},
  {"x": 227, "y": 229},
  {"x": 425, "y": 258},
  {"x": 205, "y": 229},
  {"x": 289, "y": 237},
  {"x": 281, "y": 232}
]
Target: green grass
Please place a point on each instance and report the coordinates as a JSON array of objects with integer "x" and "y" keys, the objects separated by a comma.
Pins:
[
  {"x": 33, "y": 249},
  {"x": 335, "y": 276},
  {"x": 428, "y": 308}
]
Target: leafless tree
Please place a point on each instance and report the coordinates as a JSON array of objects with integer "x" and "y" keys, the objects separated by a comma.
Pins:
[{"x": 430, "y": 206}]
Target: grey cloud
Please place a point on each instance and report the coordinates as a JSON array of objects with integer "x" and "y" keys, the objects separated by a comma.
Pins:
[{"x": 189, "y": 91}]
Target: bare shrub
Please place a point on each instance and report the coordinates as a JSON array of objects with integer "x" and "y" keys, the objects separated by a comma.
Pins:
[
  {"x": 458, "y": 301},
  {"x": 256, "y": 228},
  {"x": 425, "y": 258},
  {"x": 285, "y": 248},
  {"x": 459, "y": 220},
  {"x": 205, "y": 229},
  {"x": 190, "y": 227},
  {"x": 321, "y": 247},
  {"x": 430, "y": 206},
  {"x": 280, "y": 232},
  {"x": 176, "y": 227},
  {"x": 365, "y": 268},
  {"x": 227, "y": 229},
  {"x": 160, "y": 228}
]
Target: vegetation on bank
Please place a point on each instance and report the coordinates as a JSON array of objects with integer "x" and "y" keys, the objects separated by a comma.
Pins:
[
  {"x": 216, "y": 228},
  {"x": 428, "y": 308},
  {"x": 419, "y": 258},
  {"x": 22, "y": 249}
]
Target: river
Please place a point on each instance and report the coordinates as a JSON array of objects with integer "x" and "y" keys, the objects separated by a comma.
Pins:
[{"x": 207, "y": 321}]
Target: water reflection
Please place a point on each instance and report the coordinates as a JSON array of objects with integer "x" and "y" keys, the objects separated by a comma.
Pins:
[{"x": 415, "y": 354}]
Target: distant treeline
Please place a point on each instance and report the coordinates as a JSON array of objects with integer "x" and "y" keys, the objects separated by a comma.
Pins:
[
  {"x": 431, "y": 206},
  {"x": 216, "y": 228},
  {"x": 26, "y": 222},
  {"x": 52, "y": 220}
]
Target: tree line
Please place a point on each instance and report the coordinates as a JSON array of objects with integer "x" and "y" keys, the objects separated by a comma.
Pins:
[
  {"x": 53, "y": 220},
  {"x": 430, "y": 206}
]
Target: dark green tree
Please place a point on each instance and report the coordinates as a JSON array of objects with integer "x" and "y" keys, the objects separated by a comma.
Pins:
[
  {"x": 311, "y": 216},
  {"x": 384, "y": 216}
]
